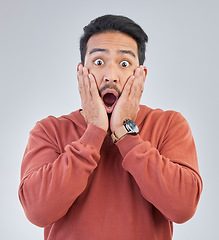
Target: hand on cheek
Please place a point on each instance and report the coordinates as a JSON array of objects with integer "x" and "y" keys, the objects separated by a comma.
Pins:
[
  {"x": 93, "y": 108},
  {"x": 128, "y": 104}
]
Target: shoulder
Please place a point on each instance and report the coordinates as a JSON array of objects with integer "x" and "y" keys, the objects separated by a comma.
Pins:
[
  {"x": 59, "y": 131},
  {"x": 161, "y": 127},
  {"x": 158, "y": 115},
  {"x": 161, "y": 122},
  {"x": 52, "y": 124}
]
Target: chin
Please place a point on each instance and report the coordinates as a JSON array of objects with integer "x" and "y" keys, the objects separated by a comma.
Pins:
[{"x": 109, "y": 109}]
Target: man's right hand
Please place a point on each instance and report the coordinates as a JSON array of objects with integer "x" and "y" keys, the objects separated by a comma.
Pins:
[{"x": 94, "y": 111}]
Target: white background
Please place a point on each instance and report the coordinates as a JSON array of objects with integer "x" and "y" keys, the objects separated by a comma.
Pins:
[{"x": 39, "y": 52}]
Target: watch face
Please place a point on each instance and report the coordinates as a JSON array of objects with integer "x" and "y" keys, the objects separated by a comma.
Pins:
[{"x": 131, "y": 126}]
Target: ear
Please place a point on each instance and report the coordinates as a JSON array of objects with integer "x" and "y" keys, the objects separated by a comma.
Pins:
[
  {"x": 145, "y": 71},
  {"x": 79, "y": 65}
]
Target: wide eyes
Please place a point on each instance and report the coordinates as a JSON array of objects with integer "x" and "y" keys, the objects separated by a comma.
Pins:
[
  {"x": 98, "y": 62},
  {"x": 123, "y": 63}
]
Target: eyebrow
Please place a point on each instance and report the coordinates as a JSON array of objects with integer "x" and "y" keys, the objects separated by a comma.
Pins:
[
  {"x": 98, "y": 50},
  {"x": 105, "y": 50},
  {"x": 127, "y": 52}
]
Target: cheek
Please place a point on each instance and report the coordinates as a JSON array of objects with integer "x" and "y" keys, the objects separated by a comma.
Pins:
[{"x": 126, "y": 76}]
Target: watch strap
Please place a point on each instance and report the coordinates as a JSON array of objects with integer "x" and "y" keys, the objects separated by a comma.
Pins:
[{"x": 119, "y": 133}]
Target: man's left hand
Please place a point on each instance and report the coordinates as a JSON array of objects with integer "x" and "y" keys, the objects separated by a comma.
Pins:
[{"x": 127, "y": 106}]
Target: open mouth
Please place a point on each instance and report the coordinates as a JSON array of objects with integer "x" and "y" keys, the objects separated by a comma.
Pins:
[
  {"x": 109, "y": 99},
  {"x": 110, "y": 96}
]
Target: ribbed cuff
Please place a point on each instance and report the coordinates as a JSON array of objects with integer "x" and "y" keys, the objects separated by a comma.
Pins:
[
  {"x": 128, "y": 142},
  {"x": 93, "y": 136}
]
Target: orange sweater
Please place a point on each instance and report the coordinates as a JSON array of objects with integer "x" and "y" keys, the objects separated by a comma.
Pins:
[{"x": 78, "y": 185}]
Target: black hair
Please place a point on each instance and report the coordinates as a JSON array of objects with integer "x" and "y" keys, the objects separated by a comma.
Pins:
[{"x": 111, "y": 23}]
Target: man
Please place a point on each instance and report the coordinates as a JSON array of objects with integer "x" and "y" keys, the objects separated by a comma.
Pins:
[{"x": 114, "y": 169}]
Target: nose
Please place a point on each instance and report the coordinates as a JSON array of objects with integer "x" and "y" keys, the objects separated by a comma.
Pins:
[{"x": 111, "y": 74}]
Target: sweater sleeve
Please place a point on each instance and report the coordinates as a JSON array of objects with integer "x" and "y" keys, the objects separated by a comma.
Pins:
[
  {"x": 168, "y": 177},
  {"x": 50, "y": 181}
]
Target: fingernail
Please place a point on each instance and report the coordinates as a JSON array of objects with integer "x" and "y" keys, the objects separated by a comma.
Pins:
[
  {"x": 138, "y": 70},
  {"x": 132, "y": 78}
]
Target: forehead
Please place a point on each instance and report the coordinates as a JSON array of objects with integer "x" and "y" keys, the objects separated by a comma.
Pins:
[{"x": 112, "y": 41}]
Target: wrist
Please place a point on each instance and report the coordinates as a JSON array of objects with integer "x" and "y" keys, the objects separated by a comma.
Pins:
[
  {"x": 93, "y": 136},
  {"x": 102, "y": 125},
  {"x": 128, "y": 127}
]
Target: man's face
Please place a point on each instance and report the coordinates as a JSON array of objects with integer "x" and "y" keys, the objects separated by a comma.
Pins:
[{"x": 112, "y": 58}]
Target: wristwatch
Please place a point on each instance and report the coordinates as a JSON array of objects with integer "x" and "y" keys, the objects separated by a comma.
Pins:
[{"x": 128, "y": 127}]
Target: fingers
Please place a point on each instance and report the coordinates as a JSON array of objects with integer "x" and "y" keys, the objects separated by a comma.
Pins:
[
  {"x": 137, "y": 87},
  {"x": 127, "y": 88},
  {"x": 86, "y": 82},
  {"x": 83, "y": 81},
  {"x": 94, "y": 111},
  {"x": 87, "y": 87},
  {"x": 135, "y": 84},
  {"x": 93, "y": 86}
]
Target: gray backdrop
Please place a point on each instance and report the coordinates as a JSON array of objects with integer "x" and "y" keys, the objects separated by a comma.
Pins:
[{"x": 38, "y": 59}]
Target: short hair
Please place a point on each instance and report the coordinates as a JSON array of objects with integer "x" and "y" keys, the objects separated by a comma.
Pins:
[{"x": 112, "y": 23}]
